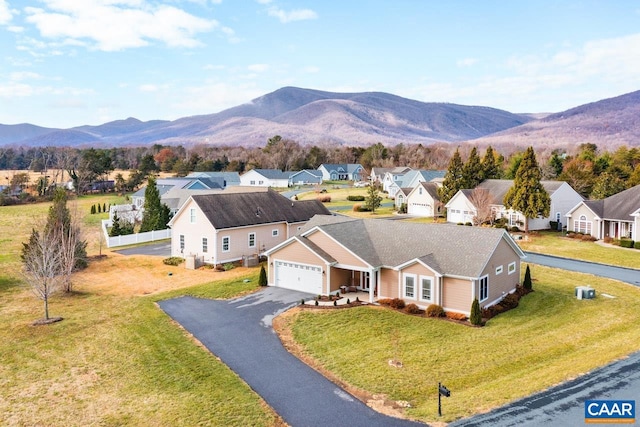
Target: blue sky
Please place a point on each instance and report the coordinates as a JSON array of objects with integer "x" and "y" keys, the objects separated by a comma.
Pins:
[{"x": 67, "y": 63}]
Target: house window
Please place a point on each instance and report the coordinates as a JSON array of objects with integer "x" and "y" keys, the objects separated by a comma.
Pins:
[
  {"x": 484, "y": 288},
  {"x": 260, "y": 182},
  {"x": 582, "y": 225},
  {"x": 512, "y": 268},
  {"x": 409, "y": 286},
  {"x": 252, "y": 240},
  {"x": 192, "y": 215},
  {"x": 499, "y": 270},
  {"x": 513, "y": 219},
  {"x": 182, "y": 243},
  {"x": 420, "y": 190},
  {"x": 205, "y": 245},
  {"x": 426, "y": 287},
  {"x": 252, "y": 182},
  {"x": 274, "y": 233},
  {"x": 226, "y": 244},
  {"x": 557, "y": 216}
]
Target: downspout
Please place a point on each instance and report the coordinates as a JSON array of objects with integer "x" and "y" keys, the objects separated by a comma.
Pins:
[{"x": 215, "y": 248}]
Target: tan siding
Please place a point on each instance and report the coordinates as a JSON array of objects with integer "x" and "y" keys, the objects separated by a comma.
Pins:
[
  {"x": 503, "y": 283},
  {"x": 340, "y": 277},
  {"x": 583, "y": 210},
  {"x": 240, "y": 240},
  {"x": 298, "y": 253},
  {"x": 420, "y": 270},
  {"x": 388, "y": 283},
  {"x": 335, "y": 250},
  {"x": 457, "y": 295}
]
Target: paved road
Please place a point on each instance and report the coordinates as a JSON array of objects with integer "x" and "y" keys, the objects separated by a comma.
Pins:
[
  {"x": 239, "y": 332},
  {"x": 628, "y": 275},
  {"x": 563, "y": 405}
]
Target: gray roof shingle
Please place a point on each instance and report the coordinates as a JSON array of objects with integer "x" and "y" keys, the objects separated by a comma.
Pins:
[{"x": 619, "y": 206}]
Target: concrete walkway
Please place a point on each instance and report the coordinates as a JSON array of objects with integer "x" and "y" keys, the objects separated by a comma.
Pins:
[{"x": 240, "y": 333}]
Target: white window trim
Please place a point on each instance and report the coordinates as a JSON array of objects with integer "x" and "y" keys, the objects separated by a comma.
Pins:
[
  {"x": 499, "y": 269},
  {"x": 404, "y": 285},
  {"x": 249, "y": 240},
  {"x": 275, "y": 232},
  {"x": 511, "y": 268},
  {"x": 181, "y": 242},
  {"x": 480, "y": 288},
  {"x": 433, "y": 281},
  {"x": 205, "y": 245},
  {"x": 228, "y": 244},
  {"x": 192, "y": 215}
]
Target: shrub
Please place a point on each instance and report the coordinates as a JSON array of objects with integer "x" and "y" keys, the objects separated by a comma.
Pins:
[
  {"x": 608, "y": 239},
  {"x": 219, "y": 267},
  {"x": 403, "y": 208},
  {"x": 348, "y": 301},
  {"x": 468, "y": 224},
  {"x": 262, "y": 280},
  {"x": 355, "y": 198},
  {"x": 317, "y": 303},
  {"x": 93, "y": 209},
  {"x": 626, "y": 243},
  {"x": 324, "y": 199},
  {"x": 510, "y": 301},
  {"x": 476, "y": 316},
  {"x": 455, "y": 316},
  {"x": 359, "y": 207},
  {"x": 435, "y": 310},
  {"x": 412, "y": 309},
  {"x": 335, "y": 303},
  {"x": 229, "y": 266},
  {"x": 636, "y": 245},
  {"x": 397, "y": 303},
  {"x": 302, "y": 301},
  {"x": 588, "y": 238},
  {"x": 527, "y": 279},
  {"x": 385, "y": 301},
  {"x": 174, "y": 260},
  {"x": 515, "y": 229}
]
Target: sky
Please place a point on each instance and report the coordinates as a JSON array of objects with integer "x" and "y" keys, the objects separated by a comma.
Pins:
[{"x": 66, "y": 63}]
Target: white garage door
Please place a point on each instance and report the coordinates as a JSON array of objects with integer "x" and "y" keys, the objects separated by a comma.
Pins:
[
  {"x": 305, "y": 278},
  {"x": 419, "y": 209}
]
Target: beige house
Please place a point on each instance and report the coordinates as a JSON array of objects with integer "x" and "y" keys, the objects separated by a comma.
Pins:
[
  {"x": 423, "y": 200},
  {"x": 616, "y": 216},
  {"x": 421, "y": 263},
  {"x": 220, "y": 228}
]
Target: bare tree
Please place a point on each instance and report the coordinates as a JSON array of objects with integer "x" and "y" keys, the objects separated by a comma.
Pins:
[
  {"x": 42, "y": 259},
  {"x": 68, "y": 242},
  {"x": 482, "y": 200}
]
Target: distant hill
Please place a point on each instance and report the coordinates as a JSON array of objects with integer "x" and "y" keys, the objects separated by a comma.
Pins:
[
  {"x": 304, "y": 115},
  {"x": 317, "y": 117},
  {"x": 608, "y": 123}
]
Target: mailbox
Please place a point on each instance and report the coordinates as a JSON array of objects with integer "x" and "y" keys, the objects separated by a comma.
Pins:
[{"x": 444, "y": 391}]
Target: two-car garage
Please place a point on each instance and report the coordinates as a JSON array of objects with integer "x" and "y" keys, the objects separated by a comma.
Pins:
[{"x": 300, "y": 277}]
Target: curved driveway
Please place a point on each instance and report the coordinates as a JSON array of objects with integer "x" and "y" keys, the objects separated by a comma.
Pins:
[{"x": 239, "y": 332}]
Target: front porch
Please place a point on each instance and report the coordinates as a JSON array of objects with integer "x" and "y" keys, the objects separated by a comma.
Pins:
[
  {"x": 352, "y": 281},
  {"x": 351, "y": 297}
]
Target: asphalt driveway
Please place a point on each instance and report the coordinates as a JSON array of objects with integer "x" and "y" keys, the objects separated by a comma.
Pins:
[
  {"x": 162, "y": 248},
  {"x": 240, "y": 333}
]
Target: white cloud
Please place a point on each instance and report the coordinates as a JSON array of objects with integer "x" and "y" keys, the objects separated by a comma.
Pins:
[
  {"x": 148, "y": 88},
  {"x": 466, "y": 62},
  {"x": 18, "y": 76},
  {"x": 258, "y": 68},
  {"x": 112, "y": 25},
  {"x": 213, "y": 67},
  {"x": 264, "y": 1},
  {"x": 292, "y": 15},
  {"x": 311, "y": 69},
  {"x": 5, "y": 13},
  {"x": 15, "y": 29},
  {"x": 215, "y": 96}
]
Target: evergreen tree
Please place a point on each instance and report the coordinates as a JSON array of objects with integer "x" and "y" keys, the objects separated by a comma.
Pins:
[
  {"x": 373, "y": 199},
  {"x": 490, "y": 168},
  {"x": 104, "y": 207},
  {"x": 154, "y": 214},
  {"x": 472, "y": 170},
  {"x": 99, "y": 208},
  {"x": 93, "y": 209},
  {"x": 527, "y": 195},
  {"x": 475, "y": 316},
  {"x": 556, "y": 163},
  {"x": 527, "y": 279},
  {"x": 607, "y": 185},
  {"x": 115, "y": 228},
  {"x": 453, "y": 179},
  {"x": 262, "y": 280}
]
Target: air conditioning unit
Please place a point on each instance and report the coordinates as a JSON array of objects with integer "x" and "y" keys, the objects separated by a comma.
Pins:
[{"x": 585, "y": 292}]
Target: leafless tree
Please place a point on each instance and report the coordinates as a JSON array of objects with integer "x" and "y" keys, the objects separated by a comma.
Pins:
[
  {"x": 482, "y": 200},
  {"x": 41, "y": 268},
  {"x": 68, "y": 242}
]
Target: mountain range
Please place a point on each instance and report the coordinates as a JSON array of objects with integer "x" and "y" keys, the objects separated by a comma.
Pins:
[{"x": 358, "y": 119}]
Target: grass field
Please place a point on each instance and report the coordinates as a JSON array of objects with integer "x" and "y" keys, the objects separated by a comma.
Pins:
[
  {"x": 339, "y": 202},
  {"x": 551, "y": 337},
  {"x": 116, "y": 358},
  {"x": 554, "y": 244}
]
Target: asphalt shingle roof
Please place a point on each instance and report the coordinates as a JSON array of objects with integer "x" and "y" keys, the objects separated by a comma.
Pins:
[
  {"x": 619, "y": 206},
  {"x": 498, "y": 188}
]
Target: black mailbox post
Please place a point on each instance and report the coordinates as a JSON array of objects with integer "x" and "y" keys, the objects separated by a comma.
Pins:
[{"x": 442, "y": 391}]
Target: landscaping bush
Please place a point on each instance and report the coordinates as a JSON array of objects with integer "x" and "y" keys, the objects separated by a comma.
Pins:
[
  {"x": 435, "y": 310},
  {"x": 359, "y": 207},
  {"x": 412, "y": 309},
  {"x": 510, "y": 301},
  {"x": 355, "y": 198},
  {"x": 476, "y": 316},
  {"x": 228, "y": 266},
  {"x": 384, "y": 301},
  {"x": 626, "y": 243},
  {"x": 636, "y": 245},
  {"x": 608, "y": 239},
  {"x": 262, "y": 280},
  {"x": 397, "y": 303},
  {"x": 174, "y": 260},
  {"x": 324, "y": 199},
  {"x": 527, "y": 279},
  {"x": 455, "y": 316},
  {"x": 515, "y": 229}
]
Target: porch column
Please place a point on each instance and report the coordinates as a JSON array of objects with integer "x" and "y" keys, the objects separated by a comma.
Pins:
[{"x": 373, "y": 282}]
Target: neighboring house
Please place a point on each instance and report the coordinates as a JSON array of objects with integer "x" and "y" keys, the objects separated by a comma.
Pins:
[
  {"x": 342, "y": 172},
  {"x": 223, "y": 179},
  {"x": 616, "y": 216},
  {"x": 166, "y": 184},
  {"x": 411, "y": 179},
  {"x": 305, "y": 177},
  {"x": 419, "y": 263},
  {"x": 460, "y": 208},
  {"x": 377, "y": 174},
  {"x": 423, "y": 200},
  {"x": 265, "y": 178},
  {"x": 225, "y": 227},
  {"x": 393, "y": 175},
  {"x": 401, "y": 197}
]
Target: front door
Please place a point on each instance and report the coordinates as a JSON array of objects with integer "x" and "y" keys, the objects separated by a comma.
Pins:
[{"x": 364, "y": 280}]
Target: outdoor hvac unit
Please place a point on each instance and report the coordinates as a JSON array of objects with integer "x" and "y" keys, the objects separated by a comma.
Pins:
[{"x": 585, "y": 292}]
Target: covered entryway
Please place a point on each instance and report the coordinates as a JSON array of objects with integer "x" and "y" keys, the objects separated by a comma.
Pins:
[{"x": 300, "y": 277}]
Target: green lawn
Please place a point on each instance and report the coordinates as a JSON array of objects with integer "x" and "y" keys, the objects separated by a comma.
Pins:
[
  {"x": 115, "y": 359},
  {"x": 339, "y": 202},
  {"x": 551, "y": 337},
  {"x": 554, "y": 244}
]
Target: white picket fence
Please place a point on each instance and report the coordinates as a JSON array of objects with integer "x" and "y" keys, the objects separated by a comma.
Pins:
[{"x": 130, "y": 239}]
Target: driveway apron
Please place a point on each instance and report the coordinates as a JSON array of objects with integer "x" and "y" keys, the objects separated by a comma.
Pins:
[{"x": 240, "y": 333}]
